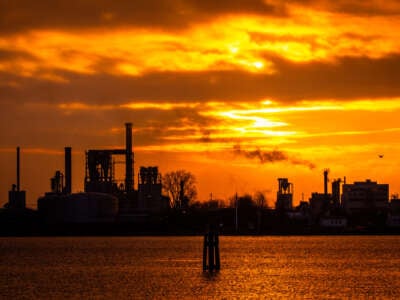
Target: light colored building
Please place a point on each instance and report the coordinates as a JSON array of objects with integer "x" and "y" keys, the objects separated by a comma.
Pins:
[
  {"x": 333, "y": 222},
  {"x": 365, "y": 197}
]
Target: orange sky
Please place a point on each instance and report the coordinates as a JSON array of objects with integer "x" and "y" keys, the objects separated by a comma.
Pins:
[{"x": 237, "y": 92}]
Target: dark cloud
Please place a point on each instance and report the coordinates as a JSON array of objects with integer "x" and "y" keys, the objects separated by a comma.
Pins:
[
  {"x": 347, "y": 78},
  {"x": 270, "y": 156},
  {"x": 21, "y": 15},
  {"x": 354, "y": 7},
  {"x": 7, "y": 55},
  {"x": 42, "y": 125},
  {"x": 75, "y": 14}
]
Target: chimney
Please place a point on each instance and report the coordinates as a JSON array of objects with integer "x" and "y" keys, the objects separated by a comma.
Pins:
[
  {"x": 68, "y": 170},
  {"x": 128, "y": 158},
  {"x": 18, "y": 173},
  {"x": 326, "y": 182}
]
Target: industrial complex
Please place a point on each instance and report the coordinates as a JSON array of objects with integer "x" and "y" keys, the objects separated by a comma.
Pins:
[
  {"x": 105, "y": 199},
  {"x": 112, "y": 206}
]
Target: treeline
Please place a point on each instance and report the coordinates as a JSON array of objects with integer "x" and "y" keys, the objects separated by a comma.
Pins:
[
  {"x": 258, "y": 200},
  {"x": 180, "y": 186}
]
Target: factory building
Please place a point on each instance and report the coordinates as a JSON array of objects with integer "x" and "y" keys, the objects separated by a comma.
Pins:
[
  {"x": 365, "y": 197},
  {"x": 284, "y": 196},
  {"x": 149, "y": 191},
  {"x": 320, "y": 203},
  {"x": 100, "y": 168},
  {"x": 61, "y": 206},
  {"x": 100, "y": 174},
  {"x": 326, "y": 203},
  {"x": 100, "y": 178},
  {"x": 15, "y": 217},
  {"x": 16, "y": 197},
  {"x": 106, "y": 198}
]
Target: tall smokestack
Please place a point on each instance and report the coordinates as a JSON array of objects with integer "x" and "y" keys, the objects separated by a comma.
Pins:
[
  {"x": 18, "y": 173},
  {"x": 326, "y": 182},
  {"x": 68, "y": 170},
  {"x": 129, "y": 158}
]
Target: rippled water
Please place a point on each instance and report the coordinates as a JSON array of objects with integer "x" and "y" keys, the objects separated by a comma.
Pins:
[{"x": 170, "y": 267}]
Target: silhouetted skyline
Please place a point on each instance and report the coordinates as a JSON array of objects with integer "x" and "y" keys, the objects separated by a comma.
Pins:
[{"x": 237, "y": 92}]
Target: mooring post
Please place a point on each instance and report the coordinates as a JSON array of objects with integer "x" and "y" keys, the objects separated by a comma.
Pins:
[
  {"x": 205, "y": 244},
  {"x": 217, "y": 262},
  {"x": 211, "y": 249},
  {"x": 211, "y": 264}
]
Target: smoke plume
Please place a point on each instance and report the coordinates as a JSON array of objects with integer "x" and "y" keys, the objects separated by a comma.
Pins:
[{"x": 271, "y": 156}]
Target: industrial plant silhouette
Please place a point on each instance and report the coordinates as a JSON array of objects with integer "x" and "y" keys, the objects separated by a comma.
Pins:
[{"x": 110, "y": 206}]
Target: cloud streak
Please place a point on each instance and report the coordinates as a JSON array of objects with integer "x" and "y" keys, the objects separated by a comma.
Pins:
[{"x": 349, "y": 78}]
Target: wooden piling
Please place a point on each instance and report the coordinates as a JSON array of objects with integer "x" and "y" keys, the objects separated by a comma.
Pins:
[
  {"x": 211, "y": 247},
  {"x": 211, "y": 262},
  {"x": 216, "y": 245},
  {"x": 205, "y": 244}
]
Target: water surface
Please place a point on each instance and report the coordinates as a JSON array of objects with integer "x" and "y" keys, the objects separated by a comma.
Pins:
[{"x": 170, "y": 267}]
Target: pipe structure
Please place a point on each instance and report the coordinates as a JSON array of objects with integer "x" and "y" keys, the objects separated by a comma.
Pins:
[
  {"x": 18, "y": 171},
  {"x": 128, "y": 158},
  {"x": 68, "y": 170}
]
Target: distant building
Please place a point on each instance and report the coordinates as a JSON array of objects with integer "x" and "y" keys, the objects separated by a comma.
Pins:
[
  {"x": 100, "y": 172},
  {"x": 333, "y": 222},
  {"x": 150, "y": 198},
  {"x": 395, "y": 205},
  {"x": 78, "y": 208},
  {"x": 365, "y": 197},
  {"x": 16, "y": 197},
  {"x": 319, "y": 203},
  {"x": 393, "y": 221},
  {"x": 300, "y": 212},
  {"x": 284, "y": 196},
  {"x": 326, "y": 203},
  {"x": 393, "y": 218}
]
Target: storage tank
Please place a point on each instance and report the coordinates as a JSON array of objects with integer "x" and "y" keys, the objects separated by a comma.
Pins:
[{"x": 78, "y": 208}]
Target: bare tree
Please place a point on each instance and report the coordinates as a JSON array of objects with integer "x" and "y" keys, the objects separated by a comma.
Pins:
[
  {"x": 180, "y": 186},
  {"x": 260, "y": 199}
]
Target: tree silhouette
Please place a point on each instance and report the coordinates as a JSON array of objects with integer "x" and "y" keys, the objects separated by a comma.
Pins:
[
  {"x": 180, "y": 186},
  {"x": 260, "y": 199}
]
